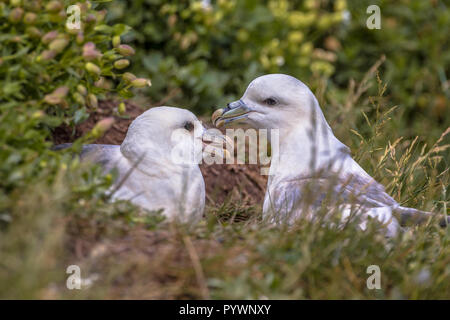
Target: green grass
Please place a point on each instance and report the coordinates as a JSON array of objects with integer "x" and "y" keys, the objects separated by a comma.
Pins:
[{"x": 221, "y": 259}]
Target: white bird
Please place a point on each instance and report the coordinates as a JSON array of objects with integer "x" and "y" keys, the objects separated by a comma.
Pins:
[
  {"x": 157, "y": 163},
  {"x": 310, "y": 163}
]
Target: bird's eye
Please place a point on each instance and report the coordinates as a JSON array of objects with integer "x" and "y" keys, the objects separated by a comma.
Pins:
[
  {"x": 189, "y": 126},
  {"x": 270, "y": 101}
]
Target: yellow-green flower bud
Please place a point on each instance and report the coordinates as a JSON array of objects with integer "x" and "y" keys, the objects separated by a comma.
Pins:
[
  {"x": 46, "y": 55},
  {"x": 340, "y": 5},
  {"x": 50, "y": 99},
  {"x": 295, "y": 37},
  {"x": 58, "y": 45},
  {"x": 57, "y": 96},
  {"x": 242, "y": 35},
  {"x": 112, "y": 56},
  {"x": 92, "y": 68},
  {"x": 16, "y": 15},
  {"x": 125, "y": 50},
  {"x": 128, "y": 77},
  {"x": 121, "y": 64},
  {"x": 82, "y": 89},
  {"x": 102, "y": 126},
  {"x": 33, "y": 32},
  {"x": 116, "y": 41},
  {"x": 121, "y": 108},
  {"x": 30, "y": 18},
  {"x": 92, "y": 101},
  {"x": 79, "y": 98},
  {"x": 90, "y": 52},
  {"x": 325, "y": 21},
  {"x": 38, "y": 114},
  {"x": 306, "y": 48},
  {"x": 49, "y": 36},
  {"x": 141, "y": 83},
  {"x": 61, "y": 91},
  {"x": 108, "y": 178},
  {"x": 34, "y": 5},
  {"x": 54, "y": 6}
]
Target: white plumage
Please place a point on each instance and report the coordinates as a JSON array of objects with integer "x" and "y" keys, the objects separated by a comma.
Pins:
[
  {"x": 150, "y": 166},
  {"x": 311, "y": 163}
]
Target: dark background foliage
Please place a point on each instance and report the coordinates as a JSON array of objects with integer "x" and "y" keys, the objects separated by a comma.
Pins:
[{"x": 204, "y": 55}]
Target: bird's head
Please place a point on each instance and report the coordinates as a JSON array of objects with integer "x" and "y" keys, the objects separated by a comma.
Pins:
[
  {"x": 168, "y": 132},
  {"x": 271, "y": 101}
]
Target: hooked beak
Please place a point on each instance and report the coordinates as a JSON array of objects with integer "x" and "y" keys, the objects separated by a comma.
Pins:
[{"x": 234, "y": 111}]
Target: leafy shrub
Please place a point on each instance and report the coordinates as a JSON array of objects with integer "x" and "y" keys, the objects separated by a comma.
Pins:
[
  {"x": 204, "y": 53},
  {"x": 414, "y": 38},
  {"x": 49, "y": 75},
  {"x": 211, "y": 50}
]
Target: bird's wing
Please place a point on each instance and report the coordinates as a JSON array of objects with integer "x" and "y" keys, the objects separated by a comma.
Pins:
[
  {"x": 372, "y": 194},
  {"x": 351, "y": 189},
  {"x": 297, "y": 193},
  {"x": 107, "y": 155},
  {"x": 305, "y": 197},
  {"x": 364, "y": 190}
]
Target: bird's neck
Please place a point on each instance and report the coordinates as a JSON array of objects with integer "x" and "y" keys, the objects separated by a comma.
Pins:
[{"x": 305, "y": 151}]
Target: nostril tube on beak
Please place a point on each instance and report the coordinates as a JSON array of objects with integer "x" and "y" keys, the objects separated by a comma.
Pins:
[{"x": 234, "y": 104}]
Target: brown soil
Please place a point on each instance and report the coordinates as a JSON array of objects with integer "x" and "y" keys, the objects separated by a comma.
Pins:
[{"x": 242, "y": 183}]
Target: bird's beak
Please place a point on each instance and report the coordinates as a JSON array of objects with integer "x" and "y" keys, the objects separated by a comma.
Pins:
[
  {"x": 234, "y": 111},
  {"x": 216, "y": 142}
]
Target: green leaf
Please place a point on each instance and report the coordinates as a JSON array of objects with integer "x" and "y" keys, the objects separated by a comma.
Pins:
[{"x": 120, "y": 29}]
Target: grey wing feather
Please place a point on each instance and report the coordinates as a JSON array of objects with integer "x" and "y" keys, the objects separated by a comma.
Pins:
[
  {"x": 358, "y": 189},
  {"x": 61, "y": 146},
  {"x": 411, "y": 215},
  {"x": 102, "y": 154},
  {"x": 373, "y": 194},
  {"x": 367, "y": 192}
]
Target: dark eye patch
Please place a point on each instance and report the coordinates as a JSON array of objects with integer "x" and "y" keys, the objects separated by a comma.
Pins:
[
  {"x": 189, "y": 126},
  {"x": 270, "y": 101}
]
